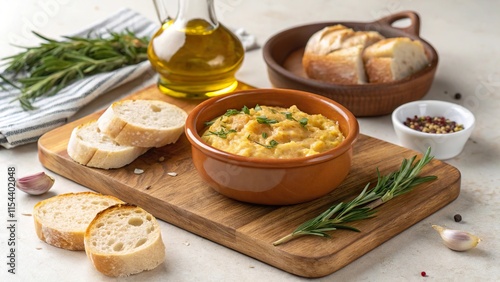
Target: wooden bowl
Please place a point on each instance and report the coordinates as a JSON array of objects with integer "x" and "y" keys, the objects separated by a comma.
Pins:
[
  {"x": 283, "y": 55},
  {"x": 271, "y": 181}
]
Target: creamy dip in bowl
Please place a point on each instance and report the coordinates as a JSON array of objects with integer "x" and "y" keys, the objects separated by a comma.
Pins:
[
  {"x": 273, "y": 132},
  {"x": 271, "y": 180}
]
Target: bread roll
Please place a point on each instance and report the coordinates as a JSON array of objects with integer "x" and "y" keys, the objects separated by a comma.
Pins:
[
  {"x": 123, "y": 240},
  {"x": 143, "y": 123},
  {"x": 394, "y": 59},
  {"x": 90, "y": 147},
  {"x": 61, "y": 221},
  {"x": 334, "y": 54}
]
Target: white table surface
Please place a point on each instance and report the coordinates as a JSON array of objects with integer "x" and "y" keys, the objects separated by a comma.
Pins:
[{"x": 466, "y": 36}]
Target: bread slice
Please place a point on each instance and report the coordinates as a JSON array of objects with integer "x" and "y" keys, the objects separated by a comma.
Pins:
[
  {"x": 334, "y": 54},
  {"x": 394, "y": 59},
  {"x": 61, "y": 220},
  {"x": 90, "y": 147},
  {"x": 343, "y": 66},
  {"x": 143, "y": 123},
  {"x": 123, "y": 240}
]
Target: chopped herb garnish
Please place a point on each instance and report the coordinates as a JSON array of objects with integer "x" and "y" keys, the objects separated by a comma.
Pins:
[
  {"x": 288, "y": 115},
  {"x": 221, "y": 133},
  {"x": 208, "y": 123},
  {"x": 303, "y": 121},
  {"x": 257, "y": 108},
  {"x": 273, "y": 143},
  {"x": 264, "y": 135},
  {"x": 231, "y": 112},
  {"x": 265, "y": 120},
  {"x": 245, "y": 110}
]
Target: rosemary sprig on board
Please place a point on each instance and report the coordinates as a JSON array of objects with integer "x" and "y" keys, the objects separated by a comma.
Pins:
[
  {"x": 45, "y": 69},
  {"x": 362, "y": 207}
]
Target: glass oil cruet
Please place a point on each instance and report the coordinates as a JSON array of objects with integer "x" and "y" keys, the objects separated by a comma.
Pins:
[{"x": 194, "y": 55}]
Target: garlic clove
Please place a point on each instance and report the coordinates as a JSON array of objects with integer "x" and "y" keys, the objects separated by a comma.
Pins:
[
  {"x": 457, "y": 240},
  {"x": 35, "y": 184}
]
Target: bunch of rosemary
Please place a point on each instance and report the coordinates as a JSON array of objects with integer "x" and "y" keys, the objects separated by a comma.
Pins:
[
  {"x": 49, "y": 67},
  {"x": 362, "y": 207}
]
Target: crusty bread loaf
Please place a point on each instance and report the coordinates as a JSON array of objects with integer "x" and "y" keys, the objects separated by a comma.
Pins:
[
  {"x": 334, "y": 54},
  {"x": 89, "y": 146},
  {"x": 394, "y": 59},
  {"x": 61, "y": 220},
  {"x": 143, "y": 123},
  {"x": 123, "y": 240}
]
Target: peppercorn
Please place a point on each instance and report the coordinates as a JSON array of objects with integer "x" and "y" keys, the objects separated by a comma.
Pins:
[
  {"x": 457, "y": 96},
  {"x": 428, "y": 124},
  {"x": 457, "y": 217}
]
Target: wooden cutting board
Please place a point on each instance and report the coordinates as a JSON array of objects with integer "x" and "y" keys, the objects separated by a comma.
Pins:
[{"x": 189, "y": 203}]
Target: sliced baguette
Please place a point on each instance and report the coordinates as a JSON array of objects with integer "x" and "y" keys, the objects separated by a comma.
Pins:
[
  {"x": 90, "y": 147},
  {"x": 123, "y": 240},
  {"x": 394, "y": 59},
  {"x": 61, "y": 220},
  {"x": 143, "y": 123}
]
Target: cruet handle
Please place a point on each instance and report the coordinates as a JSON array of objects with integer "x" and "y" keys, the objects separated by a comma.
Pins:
[{"x": 161, "y": 10}]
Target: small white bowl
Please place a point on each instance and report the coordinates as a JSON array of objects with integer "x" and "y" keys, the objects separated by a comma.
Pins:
[{"x": 443, "y": 146}]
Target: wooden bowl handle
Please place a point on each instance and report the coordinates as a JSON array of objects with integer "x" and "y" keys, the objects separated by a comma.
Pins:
[{"x": 413, "y": 28}]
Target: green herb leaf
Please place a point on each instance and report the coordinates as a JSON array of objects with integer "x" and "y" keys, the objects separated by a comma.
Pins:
[
  {"x": 288, "y": 115},
  {"x": 245, "y": 110},
  {"x": 264, "y": 135},
  {"x": 45, "y": 69},
  {"x": 362, "y": 207},
  {"x": 221, "y": 133},
  {"x": 273, "y": 143},
  {"x": 302, "y": 121},
  {"x": 231, "y": 112},
  {"x": 257, "y": 108},
  {"x": 265, "y": 120}
]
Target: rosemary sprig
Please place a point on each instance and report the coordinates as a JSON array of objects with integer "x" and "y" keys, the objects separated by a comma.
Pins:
[
  {"x": 362, "y": 207},
  {"x": 45, "y": 69}
]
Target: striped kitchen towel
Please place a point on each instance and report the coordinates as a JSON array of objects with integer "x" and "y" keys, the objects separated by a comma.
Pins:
[{"x": 18, "y": 127}]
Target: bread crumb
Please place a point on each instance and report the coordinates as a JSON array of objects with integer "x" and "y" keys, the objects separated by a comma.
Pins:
[
  {"x": 138, "y": 171},
  {"x": 26, "y": 214},
  {"x": 161, "y": 159},
  {"x": 187, "y": 243},
  {"x": 172, "y": 174},
  {"x": 38, "y": 248},
  {"x": 148, "y": 187}
]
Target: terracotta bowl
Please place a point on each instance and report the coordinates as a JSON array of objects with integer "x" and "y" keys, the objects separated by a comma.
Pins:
[
  {"x": 283, "y": 55},
  {"x": 271, "y": 181}
]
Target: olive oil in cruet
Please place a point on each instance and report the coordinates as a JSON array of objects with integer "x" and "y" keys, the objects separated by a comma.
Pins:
[{"x": 195, "y": 55}]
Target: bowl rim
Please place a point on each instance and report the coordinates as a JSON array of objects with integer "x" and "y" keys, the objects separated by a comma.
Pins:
[
  {"x": 398, "y": 124},
  {"x": 194, "y": 137},
  {"x": 273, "y": 64}
]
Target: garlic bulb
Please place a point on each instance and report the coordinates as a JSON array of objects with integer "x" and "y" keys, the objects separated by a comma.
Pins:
[
  {"x": 457, "y": 240},
  {"x": 35, "y": 184}
]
